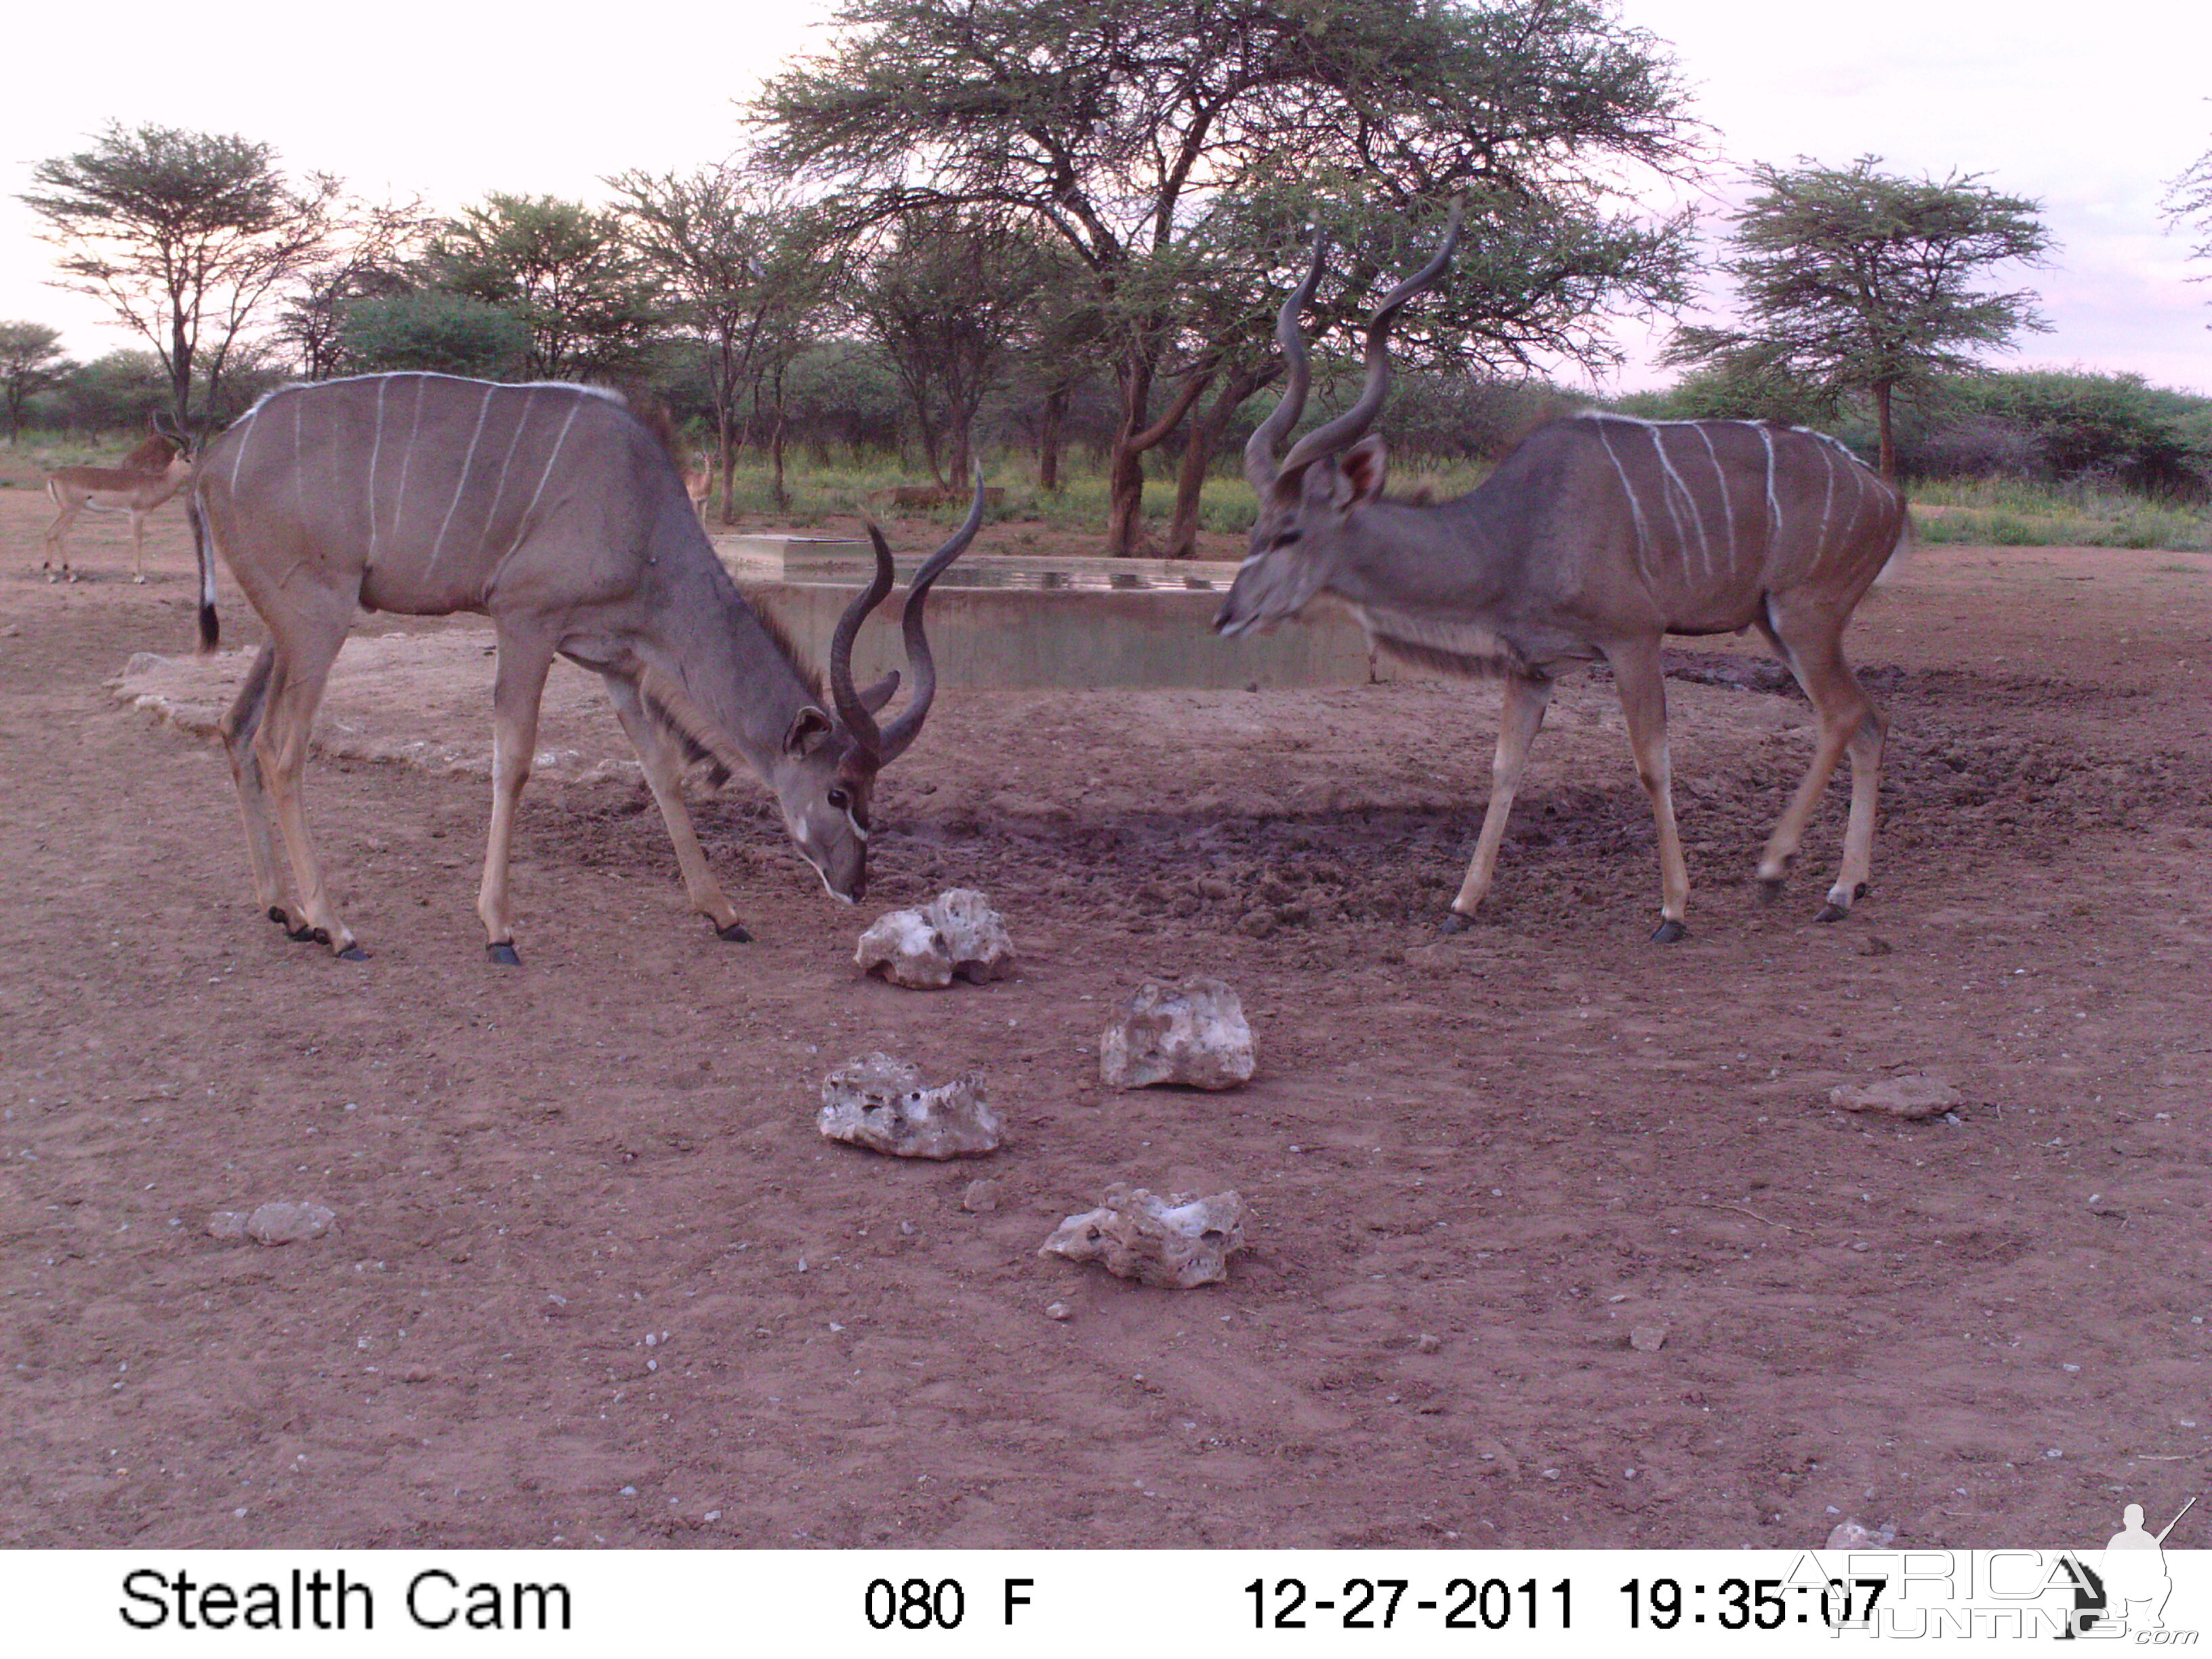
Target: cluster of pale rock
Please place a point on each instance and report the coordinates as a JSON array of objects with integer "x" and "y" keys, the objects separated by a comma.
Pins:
[{"x": 1193, "y": 1034}]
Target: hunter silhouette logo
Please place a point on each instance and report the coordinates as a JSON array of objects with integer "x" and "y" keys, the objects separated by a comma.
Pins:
[{"x": 2127, "y": 1591}]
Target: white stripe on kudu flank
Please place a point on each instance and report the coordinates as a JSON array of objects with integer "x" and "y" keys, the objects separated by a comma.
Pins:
[
  {"x": 522, "y": 524},
  {"x": 375, "y": 450},
  {"x": 1728, "y": 508},
  {"x": 1704, "y": 548},
  {"x": 460, "y": 483},
  {"x": 299, "y": 465},
  {"x": 407, "y": 458},
  {"x": 1635, "y": 508},
  {"x": 1773, "y": 506},
  {"x": 507, "y": 463},
  {"x": 1827, "y": 502},
  {"x": 238, "y": 458}
]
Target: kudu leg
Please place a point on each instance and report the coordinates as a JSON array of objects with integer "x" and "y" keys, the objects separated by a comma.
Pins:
[
  {"x": 522, "y": 663},
  {"x": 138, "y": 547},
  {"x": 311, "y": 646},
  {"x": 239, "y": 728},
  {"x": 1643, "y": 684},
  {"x": 1849, "y": 721},
  {"x": 1519, "y": 719},
  {"x": 664, "y": 773}
]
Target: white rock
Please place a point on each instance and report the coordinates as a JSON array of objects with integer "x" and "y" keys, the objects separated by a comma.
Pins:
[
  {"x": 1852, "y": 1535},
  {"x": 1911, "y": 1096},
  {"x": 957, "y": 935},
  {"x": 878, "y": 1103},
  {"x": 1174, "y": 1242},
  {"x": 1194, "y": 1034},
  {"x": 1647, "y": 1338},
  {"x": 277, "y": 1223}
]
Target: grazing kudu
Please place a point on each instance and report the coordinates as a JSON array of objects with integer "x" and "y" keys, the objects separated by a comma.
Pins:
[
  {"x": 554, "y": 511},
  {"x": 1595, "y": 538},
  {"x": 145, "y": 478}
]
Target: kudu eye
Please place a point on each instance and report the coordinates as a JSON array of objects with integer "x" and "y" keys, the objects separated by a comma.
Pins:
[
  {"x": 841, "y": 800},
  {"x": 1284, "y": 538}
]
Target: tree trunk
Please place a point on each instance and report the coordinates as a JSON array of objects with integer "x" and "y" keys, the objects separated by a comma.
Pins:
[
  {"x": 776, "y": 445},
  {"x": 1055, "y": 410},
  {"x": 1198, "y": 450},
  {"x": 1125, "y": 476},
  {"x": 1881, "y": 393},
  {"x": 181, "y": 374}
]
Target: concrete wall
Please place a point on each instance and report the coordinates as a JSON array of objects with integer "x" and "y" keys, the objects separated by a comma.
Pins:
[{"x": 1020, "y": 638}]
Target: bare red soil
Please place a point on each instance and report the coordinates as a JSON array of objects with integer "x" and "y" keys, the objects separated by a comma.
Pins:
[{"x": 596, "y": 1279}]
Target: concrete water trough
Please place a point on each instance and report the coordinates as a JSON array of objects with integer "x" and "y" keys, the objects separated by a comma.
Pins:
[{"x": 1019, "y": 623}]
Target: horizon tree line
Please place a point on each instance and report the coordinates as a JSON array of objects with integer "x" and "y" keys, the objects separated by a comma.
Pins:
[{"x": 1013, "y": 203}]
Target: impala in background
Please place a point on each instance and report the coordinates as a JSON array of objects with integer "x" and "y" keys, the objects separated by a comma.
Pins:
[{"x": 145, "y": 478}]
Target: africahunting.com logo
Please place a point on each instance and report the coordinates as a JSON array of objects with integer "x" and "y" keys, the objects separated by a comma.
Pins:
[{"x": 2120, "y": 1594}]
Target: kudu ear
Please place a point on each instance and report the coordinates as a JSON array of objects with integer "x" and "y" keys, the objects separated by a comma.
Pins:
[
  {"x": 877, "y": 694},
  {"x": 810, "y": 728},
  {"x": 1361, "y": 471}
]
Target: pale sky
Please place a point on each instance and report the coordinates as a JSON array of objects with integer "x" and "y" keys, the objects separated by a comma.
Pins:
[{"x": 2088, "y": 108}]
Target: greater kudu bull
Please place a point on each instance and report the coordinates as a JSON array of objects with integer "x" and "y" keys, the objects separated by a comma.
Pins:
[
  {"x": 556, "y": 512},
  {"x": 1595, "y": 538}
]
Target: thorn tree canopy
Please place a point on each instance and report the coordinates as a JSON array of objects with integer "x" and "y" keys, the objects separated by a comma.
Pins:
[
  {"x": 184, "y": 235},
  {"x": 2189, "y": 203},
  {"x": 31, "y": 360},
  {"x": 1124, "y": 127},
  {"x": 563, "y": 270},
  {"x": 1855, "y": 281}
]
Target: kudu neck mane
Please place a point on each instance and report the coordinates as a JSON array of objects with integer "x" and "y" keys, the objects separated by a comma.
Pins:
[{"x": 695, "y": 687}]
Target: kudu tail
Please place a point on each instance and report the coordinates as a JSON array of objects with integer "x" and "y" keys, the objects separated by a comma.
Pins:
[{"x": 210, "y": 625}]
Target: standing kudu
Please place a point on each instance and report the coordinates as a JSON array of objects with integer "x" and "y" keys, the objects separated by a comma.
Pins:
[
  {"x": 554, "y": 511},
  {"x": 146, "y": 477},
  {"x": 1595, "y": 537}
]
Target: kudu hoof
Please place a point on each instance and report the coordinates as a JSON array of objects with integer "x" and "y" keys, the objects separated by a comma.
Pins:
[
  {"x": 276, "y": 914},
  {"x": 1770, "y": 887},
  {"x": 304, "y": 934},
  {"x": 1455, "y": 923},
  {"x": 735, "y": 934},
  {"x": 1667, "y": 931},
  {"x": 353, "y": 953},
  {"x": 1831, "y": 911},
  {"x": 503, "y": 952}
]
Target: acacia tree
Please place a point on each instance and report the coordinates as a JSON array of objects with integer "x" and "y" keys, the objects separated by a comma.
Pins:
[
  {"x": 949, "y": 298},
  {"x": 564, "y": 270},
  {"x": 186, "y": 236},
  {"x": 1122, "y": 128},
  {"x": 369, "y": 262},
  {"x": 31, "y": 360},
  {"x": 1854, "y": 281},
  {"x": 2189, "y": 203},
  {"x": 737, "y": 269}
]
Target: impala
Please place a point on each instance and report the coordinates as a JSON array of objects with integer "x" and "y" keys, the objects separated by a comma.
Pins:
[
  {"x": 147, "y": 477},
  {"x": 556, "y": 512},
  {"x": 1595, "y": 538}
]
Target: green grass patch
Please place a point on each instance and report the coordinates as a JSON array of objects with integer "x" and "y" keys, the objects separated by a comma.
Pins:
[{"x": 2010, "y": 512}]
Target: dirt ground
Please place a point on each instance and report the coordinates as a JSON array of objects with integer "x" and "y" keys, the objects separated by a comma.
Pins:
[{"x": 596, "y": 1280}]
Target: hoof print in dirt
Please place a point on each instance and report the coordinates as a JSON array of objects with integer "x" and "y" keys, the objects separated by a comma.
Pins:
[
  {"x": 1175, "y": 1243},
  {"x": 957, "y": 935},
  {"x": 1193, "y": 1034},
  {"x": 878, "y": 1103},
  {"x": 1911, "y": 1097},
  {"x": 278, "y": 1222}
]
